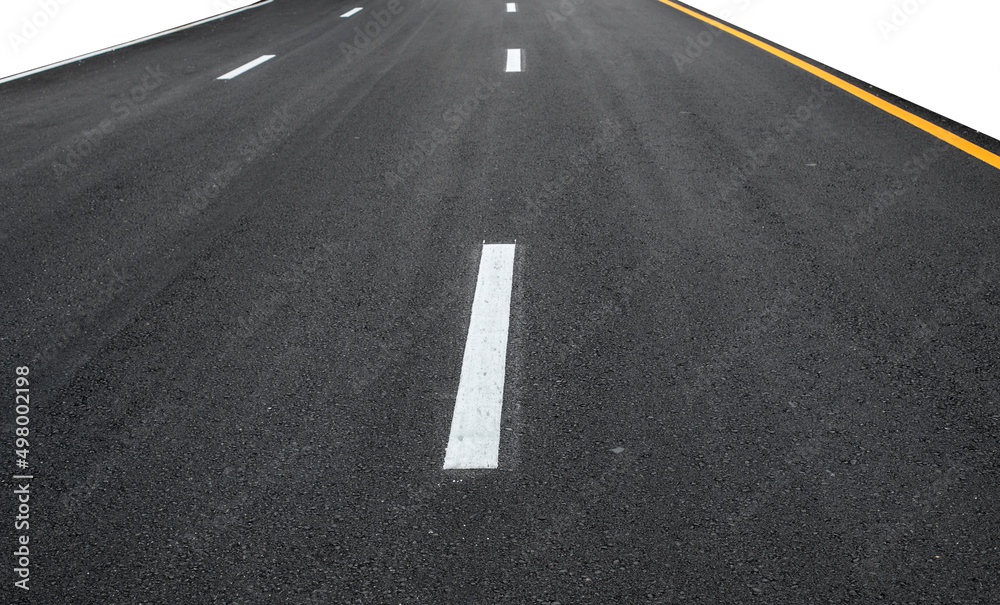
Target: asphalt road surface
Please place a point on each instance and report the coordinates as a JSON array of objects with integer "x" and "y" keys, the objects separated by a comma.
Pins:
[{"x": 753, "y": 328}]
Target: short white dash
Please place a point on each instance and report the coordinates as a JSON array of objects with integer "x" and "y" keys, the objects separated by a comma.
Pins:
[
  {"x": 248, "y": 66},
  {"x": 350, "y": 12},
  {"x": 513, "y": 59},
  {"x": 511, "y": 7},
  {"x": 474, "y": 441}
]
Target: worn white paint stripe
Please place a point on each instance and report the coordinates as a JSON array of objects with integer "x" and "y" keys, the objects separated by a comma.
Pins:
[
  {"x": 511, "y": 7},
  {"x": 474, "y": 441},
  {"x": 350, "y": 12},
  {"x": 513, "y": 59},
  {"x": 243, "y": 68}
]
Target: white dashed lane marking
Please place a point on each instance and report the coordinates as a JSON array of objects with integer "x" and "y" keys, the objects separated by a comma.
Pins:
[
  {"x": 511, "y": 7},
  {"x": 243, "y": 68},
  {"x": 350, "y": 12},
  {"x": 474, "y": 441},
  {"x": 513, "y": 59}
]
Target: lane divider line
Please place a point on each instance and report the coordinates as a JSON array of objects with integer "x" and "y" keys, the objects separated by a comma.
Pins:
[
  {"x": 933, "y": 129},
  {"x": 513, "y": 59},
  {"x": 243, "y": 68},
  {"x": 511, "y": 7},
  {"x": 350, "y": 12},
  {"x": 474, "y": 441}
]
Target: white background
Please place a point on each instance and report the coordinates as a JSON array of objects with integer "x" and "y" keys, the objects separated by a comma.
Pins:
[
  {"x": 944, "y": 56},
  {"x": 41, "y": 32}
]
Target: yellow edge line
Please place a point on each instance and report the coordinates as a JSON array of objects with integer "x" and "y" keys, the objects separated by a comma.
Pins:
[{"x": 945, "y": 135}]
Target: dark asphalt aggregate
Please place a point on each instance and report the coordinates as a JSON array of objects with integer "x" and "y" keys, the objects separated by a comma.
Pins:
[{"x": 753, "y": 337}]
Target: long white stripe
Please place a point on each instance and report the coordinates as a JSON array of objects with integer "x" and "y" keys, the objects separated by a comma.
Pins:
[
  {"x": 350, "y": 12},
  {"x": 513, "y": 59},
  {"x": 511, "y": 7},
  {"x": 474, "y": 441},
  {"x": 248, "y": 66}
]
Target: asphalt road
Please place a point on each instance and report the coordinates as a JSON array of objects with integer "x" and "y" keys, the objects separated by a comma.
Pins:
[{"x": 753, "y": 331}]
